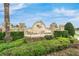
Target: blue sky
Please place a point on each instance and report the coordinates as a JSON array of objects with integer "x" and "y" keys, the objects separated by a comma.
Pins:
[{"x": 29, "y": 13}]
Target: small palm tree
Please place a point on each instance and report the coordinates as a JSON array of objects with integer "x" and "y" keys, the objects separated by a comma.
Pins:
[{"x": 7, "y": 22}]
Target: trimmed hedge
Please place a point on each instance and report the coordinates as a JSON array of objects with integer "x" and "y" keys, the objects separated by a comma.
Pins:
[
  {"x": 2, "y": 34},
  {"x": 37, "y": 48},
  {"x": 61, "y": 34},
  {"x": 15, "y": 35}
]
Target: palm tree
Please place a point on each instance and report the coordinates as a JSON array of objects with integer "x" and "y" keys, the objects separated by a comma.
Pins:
[{"x": 7, "y": 22}]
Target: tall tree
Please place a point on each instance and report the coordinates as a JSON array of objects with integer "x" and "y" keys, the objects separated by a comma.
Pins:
[
  {"x": 70, "y": 28},
  {"x": 7, "y": 22}
]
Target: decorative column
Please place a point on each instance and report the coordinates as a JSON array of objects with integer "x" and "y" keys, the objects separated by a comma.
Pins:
[{"x": 7, "y": 22}]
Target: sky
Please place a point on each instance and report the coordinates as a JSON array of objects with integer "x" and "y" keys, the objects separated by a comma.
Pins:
[{"x": 29, "y": 13}]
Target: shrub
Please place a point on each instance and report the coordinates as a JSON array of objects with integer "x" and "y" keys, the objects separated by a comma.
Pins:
[
  {"x": 38, "y": 48},
  {"x": 15, "y": 35},
  {"x": 11, "y": 44},
  {"x": 48, "y": 37},
  {"x": 61, "y": 34},
  {"x": 33, "y": 39},
  {"x": 2, "y": 34},
  {"x": 64, "y": 41},
  {"x": 72, "y": 40},
  {"x": 70, "y": 28}
]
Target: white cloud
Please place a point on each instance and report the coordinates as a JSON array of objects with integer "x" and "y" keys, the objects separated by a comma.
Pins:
[
  {"x": 57, "y": 15},
  {"x": 71, "y": 15},
  {"x": 60, "y": 12},
  {"x": 66, "y": 12},
  {"x": 14, "y": 7},
  {"x": 17, "y": 6},
  {"x": 74, "y": 19}
]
